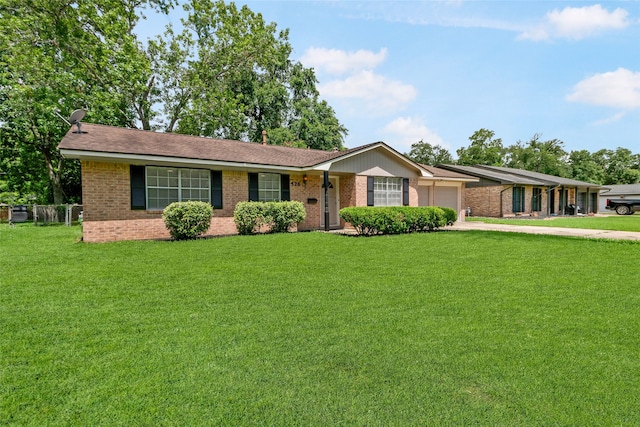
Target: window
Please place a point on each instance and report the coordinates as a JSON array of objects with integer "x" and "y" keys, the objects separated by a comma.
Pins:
[
  {"x": 268, "y": 187},
  {"x": 168, "y": 185},
  {"x": 536, "y": 200},
  {"x": 518, "y": 199},
  {"x": 387, "y": 191}
]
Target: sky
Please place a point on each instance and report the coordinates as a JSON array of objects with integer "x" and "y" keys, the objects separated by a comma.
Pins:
[{"x": 437, "y": 71}]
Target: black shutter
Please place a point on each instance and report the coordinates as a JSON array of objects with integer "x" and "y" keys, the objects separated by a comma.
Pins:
[
  {"x": 369, "y": 191},
  {"x": 138, "y": 192},
  {"x": 285, "y": 193},
  {"x": 216, "y": 189},
  {"x": 253, "y": 187},
  {"x": 405, "y": 191}
]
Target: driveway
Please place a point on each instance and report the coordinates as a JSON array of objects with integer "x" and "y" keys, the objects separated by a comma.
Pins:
[{"x": 556, "y": 231}]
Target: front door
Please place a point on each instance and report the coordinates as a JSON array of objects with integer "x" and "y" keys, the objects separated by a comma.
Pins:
[{"x": 334, "y": 203}]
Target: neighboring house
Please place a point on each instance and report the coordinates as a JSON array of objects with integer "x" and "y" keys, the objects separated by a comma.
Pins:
[
  {"x": 621, "y": 191},
  {"x": 129, "y": 176},
  {"x": 504, "y": 192}
]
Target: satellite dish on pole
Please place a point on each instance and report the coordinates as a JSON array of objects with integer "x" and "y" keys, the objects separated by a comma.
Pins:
[{"x": 75, "y": 117}]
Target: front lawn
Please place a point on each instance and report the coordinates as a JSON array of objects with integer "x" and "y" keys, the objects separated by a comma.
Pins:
[
  {"x": 604, "y": 222},
  {"x": 446, "y": 328}
]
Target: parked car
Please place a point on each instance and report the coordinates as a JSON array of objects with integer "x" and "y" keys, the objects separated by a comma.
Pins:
[{"x": 623, "y": 206}]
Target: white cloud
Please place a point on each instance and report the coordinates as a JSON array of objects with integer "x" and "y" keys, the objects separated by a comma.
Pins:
[
  {"x": 576, "y": 23},
  {"x": 617, "y": 89},
  {"x": 409, "y": 130},
  {"x": 338, "y": 62},
  {"x": 377, "y": 94},
  {"x": 616, "y": 117}
]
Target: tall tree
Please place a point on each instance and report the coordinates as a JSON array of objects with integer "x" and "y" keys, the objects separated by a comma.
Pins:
[
  {"x": 585, "y": 168},
  {"x": 64, "y": 55},
  {"x": 427, "y": 154},
  {"x": 483, "y": 150},
  {"x": 228, "y": 75},
  {"x": 547, "y": 157},
  {"x": 620, "y": 166}
]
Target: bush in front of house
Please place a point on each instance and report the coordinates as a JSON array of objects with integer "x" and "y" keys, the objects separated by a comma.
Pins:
[
  {"x": 284, "y": 215},
  {"x": 279, "y": 217},
  {"x": 368, "y": 221},
  {"x": 187, "y": 220}
]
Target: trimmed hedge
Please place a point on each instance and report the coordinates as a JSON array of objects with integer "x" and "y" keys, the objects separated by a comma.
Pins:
[
  {"x": 369, "y": 221},
  {"x": 187, "y": 220},
  {"x": 279, "y": 217}
]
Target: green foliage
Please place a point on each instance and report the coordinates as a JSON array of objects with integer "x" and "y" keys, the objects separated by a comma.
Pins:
[
  {"x": 228, "y": 74},
  {"x": 187, "y": 220},
  {"x": 369, "y": 220},
  {"x": 546, "y": 157},
  {"x": 427, "y": 154},
  {"x": 278, "y": 217},
  {"x": 483, "y": 150}
]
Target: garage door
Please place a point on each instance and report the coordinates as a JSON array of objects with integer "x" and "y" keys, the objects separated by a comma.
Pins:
[{"x": 447, "y": 197}]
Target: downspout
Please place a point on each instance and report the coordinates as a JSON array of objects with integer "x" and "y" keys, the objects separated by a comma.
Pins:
[
  {"x": 575, "y": 202},
  {"x": 501, "y": 210}
]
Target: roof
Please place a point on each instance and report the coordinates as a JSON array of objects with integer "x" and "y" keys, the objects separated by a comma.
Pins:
[
  {"x": 447, "y": 174},
  {"x": 501, "y": 177},
  {"x": 513, "y": 176},
  {"x": 109, "y": 142},
  {"x": 621, "y": 189}
]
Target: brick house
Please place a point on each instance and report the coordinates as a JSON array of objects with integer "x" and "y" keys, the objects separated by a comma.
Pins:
[
  {"x": 504, "y": 192},
  {"x": 129, "y": 176}
]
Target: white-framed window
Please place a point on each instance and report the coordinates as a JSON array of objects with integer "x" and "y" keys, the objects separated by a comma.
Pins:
[
  {"x": 387, "y": 191},
  {"x": 167, "y": 185},
  {"x": 269, "y": 187}
]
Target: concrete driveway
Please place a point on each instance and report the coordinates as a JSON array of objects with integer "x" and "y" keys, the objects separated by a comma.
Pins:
[{"x": 556, "y": 231}]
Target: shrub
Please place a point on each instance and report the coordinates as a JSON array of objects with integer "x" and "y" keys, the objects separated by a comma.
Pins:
[
  {"x": 279, "y": 217},
  {"x": 248, "y": 217},
  {"x": 368, "y": 221},
  {"x": 283, "y": 215},
  {"x": 187, "y": 220}
]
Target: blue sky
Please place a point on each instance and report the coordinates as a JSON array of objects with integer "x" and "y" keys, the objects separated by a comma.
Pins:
[{"x": 437, "y": 71}]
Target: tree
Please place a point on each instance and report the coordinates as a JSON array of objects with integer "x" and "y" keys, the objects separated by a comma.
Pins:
[
  {"x": 620, "y": 166},
  {"x": 546, "y": 157},
  {"x": 65, "y": 55},
  {"x": 427, "y": 154},
  {"x": 483, "y": 150},
  {"x": 585, "y": 168},
  {"x": 228, "y": 75}
]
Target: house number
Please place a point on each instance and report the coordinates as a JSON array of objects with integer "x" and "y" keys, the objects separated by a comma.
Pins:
[{"x": 295, "y": 183}]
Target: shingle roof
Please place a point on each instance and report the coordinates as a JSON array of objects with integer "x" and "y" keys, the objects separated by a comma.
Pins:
[
  {"x": 444, "y": 173},
  {"x": 621, "y": 189},
  {"x": 501, "y": 177},
  {"x": 544, "y": 177},
  {"x": 517, "y": 176},
  {"x": 115, "y": 140}
]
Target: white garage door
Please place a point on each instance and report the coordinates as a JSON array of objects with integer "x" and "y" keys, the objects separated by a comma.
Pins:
[{"x": 447, "y": 197}]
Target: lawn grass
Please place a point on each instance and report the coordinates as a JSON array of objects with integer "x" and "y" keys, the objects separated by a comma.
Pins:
[
  {"x": 319, "y": 329},
  {"x": 602, "y": 222}
]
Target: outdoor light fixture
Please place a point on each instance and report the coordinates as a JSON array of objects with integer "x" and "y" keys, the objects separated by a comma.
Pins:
[{"x": 305, "y": 178}]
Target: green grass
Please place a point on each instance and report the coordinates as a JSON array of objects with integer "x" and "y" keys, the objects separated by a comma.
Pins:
[
  {"x": 444, "y": 328},
  {"x": 604, "y": 222}
]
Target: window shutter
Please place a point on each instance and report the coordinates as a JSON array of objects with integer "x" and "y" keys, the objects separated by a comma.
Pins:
[
  {"x": 405, "y": 191},
  {"x": 253, "y": 187},
  {"x": 138, "y": 190},
  {"x": 285, "y": 192},
  {"x": 369, "y": 191},
  {"x": 216, "y": 189}
]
